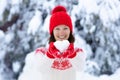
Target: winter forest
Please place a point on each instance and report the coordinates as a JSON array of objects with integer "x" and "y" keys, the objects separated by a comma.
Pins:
[{"x": 24, "y": 27}]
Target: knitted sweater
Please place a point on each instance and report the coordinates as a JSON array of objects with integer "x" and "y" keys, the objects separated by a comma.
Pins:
[{"x": 60, "y": 61}]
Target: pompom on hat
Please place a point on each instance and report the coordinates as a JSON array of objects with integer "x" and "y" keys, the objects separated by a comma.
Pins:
[{"x": 59, "y": 17}]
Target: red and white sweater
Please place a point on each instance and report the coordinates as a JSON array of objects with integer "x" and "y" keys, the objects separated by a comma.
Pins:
[{"x": 60, "y": 61}]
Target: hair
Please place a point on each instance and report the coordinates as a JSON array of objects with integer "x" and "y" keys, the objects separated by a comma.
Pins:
[{"x": 71, "y": 38}]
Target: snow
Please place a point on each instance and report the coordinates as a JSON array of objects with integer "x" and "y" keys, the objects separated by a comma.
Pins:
[
  {"x": 34, "y": 23},
  {"x": 62, "y": 45},
  {"x": 108, "y": 11},
  {"x": 90, "y": 8},
  {"x": 9, "y": 37},
  {"x": 1, "y": 35},
  {"x": 15, "y": 6},
  {"x": 16, "y": 66},
  {"x": 86, "y": 76},
  {"x": 2, "y": 55},
  {"x": 79, "y": 42},
  {"x": 45, "y": 27},
  {"x": 15, "y": 2},
  {"x": 2, "y": 8}
]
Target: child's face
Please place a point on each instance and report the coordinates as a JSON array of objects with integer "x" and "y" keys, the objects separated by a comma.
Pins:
[{"x": 61, "y": 32}]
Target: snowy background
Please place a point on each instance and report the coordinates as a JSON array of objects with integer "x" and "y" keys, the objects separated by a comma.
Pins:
[{"x": 24, "y": 27}]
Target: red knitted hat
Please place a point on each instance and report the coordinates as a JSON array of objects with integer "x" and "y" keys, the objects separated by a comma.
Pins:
[{"x": 59, "y": 17}]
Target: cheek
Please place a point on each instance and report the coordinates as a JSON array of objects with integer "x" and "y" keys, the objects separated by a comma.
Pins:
[
  {"x": 68, "y": 33},
  {"x": 55, "y": 33}
]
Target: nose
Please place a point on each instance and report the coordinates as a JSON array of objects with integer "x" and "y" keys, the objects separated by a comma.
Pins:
[{"x": 61, "y": 32}]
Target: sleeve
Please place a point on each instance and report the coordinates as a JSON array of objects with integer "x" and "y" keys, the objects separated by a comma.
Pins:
[
  {"x": 79, "y": 61},
  {"x": 35, "y": 64},
  {"x": 29, "y": 72}
]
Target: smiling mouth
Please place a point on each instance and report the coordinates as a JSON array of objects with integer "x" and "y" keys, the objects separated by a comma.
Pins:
[{"x": 61, "y": 37}]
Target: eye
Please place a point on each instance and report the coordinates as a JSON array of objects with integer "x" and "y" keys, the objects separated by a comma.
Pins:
[
  {"x": 57, "y": 28},
  {"x": 65, "y": 28}
]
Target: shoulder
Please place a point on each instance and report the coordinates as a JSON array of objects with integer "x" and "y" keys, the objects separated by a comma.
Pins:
[
  {"x": 30, "y": 57},
  {"x": 80, "y": 53},
  {"x": 78, "y": 50},
  {"x": 42, "y": 50},
  {"x": 38, "y": 53}
]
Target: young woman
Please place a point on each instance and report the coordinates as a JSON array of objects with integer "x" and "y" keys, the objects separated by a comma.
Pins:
[{"x": 61, "y": 60}]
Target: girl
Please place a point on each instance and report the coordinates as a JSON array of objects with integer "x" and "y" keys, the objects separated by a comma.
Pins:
[{"x": 61, "y": 60}]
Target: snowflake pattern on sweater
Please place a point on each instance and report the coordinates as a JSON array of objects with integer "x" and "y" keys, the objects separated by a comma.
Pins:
[{"x": 61, "y": 59}]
